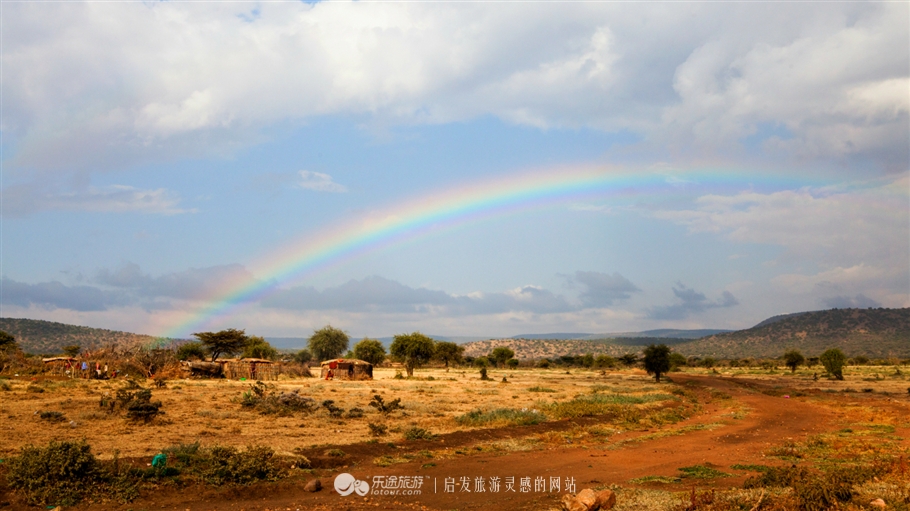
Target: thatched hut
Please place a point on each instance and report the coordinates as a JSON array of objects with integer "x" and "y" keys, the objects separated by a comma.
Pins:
[
  {"x": 250, "y": 368},
  {"x": 347, "y": 369}
]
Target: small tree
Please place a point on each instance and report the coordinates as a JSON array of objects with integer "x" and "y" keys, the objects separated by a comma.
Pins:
[
  {"x": 834, "y": 360},
  {"x": 191, "y": 350},
  {"x": 7, "y": 342},
  {"x": 793, "y": 359},
  {"x": 225, "y": 342},
  {"x": 629, "y": 359},
  {"x": 512, "y": 363},
  {"x": 258, "y": 347},
  {"x": 328, "y": 342},
  {"x": 413, "y": 349},
  {"x": 676, "y": 361},
  {"x": 499, "y": 355},
  {"x": 709, "y": 362},
  {"x": 604, "y": 362},
  {"x": 370, "y": 350},
  {"x": 657, "y": 360},
  {"x": 72, "y": 350},
  {"x": 447, "y": 352},
  {"x": 303, "y": 356}
]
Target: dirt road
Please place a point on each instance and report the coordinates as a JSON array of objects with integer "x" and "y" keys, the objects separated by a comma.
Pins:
[{"x": 770, "y": 420}]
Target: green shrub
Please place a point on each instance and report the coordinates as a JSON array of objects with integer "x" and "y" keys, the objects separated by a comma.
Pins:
[
  {"x": 416, "y": 433},
  {"x": 227, "y": 466},
  {"x": 385, "y": 408},
  {"x": 264, "y": 399},
  {"x": 52, "y": 416},
  {"x": 701, "y": 472},
  {"x": 538, "y": 388},
  {"x": 62, "y": 473},
  {"x": 523, "y": 417},
  {"x": 834, "y": 360},
  {"x": 604, "y": 404},
  {"x": 378, "y": 429}
]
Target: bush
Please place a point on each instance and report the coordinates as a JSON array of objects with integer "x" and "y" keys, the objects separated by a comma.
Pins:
[
  {"x": 226, "y": 465},
  {"x": 523, "y": 417},
  {"x": 378, "y": 429},
  {"x": 52, "y": 416},
  {"x": 416, "y": 433},
  {"x": 385, "y": 408},
  {"x": 543, "y": 363},
  {"x": 60, "y": 474},
  {"x": 134, "y": 400},
  {"x": 265, "y": 400},
  {"x": 834, "y": 360}
]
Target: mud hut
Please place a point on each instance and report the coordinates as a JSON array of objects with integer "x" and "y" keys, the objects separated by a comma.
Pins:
[
  {"x": 250, "y": 368},
  {"x": 347, "y": 369}
]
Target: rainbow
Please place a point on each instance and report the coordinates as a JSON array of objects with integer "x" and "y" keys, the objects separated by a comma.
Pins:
[{"x": 453, "y": 207}]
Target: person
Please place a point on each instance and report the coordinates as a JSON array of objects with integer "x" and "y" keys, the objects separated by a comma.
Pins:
[{"x": 330, "y": 374}]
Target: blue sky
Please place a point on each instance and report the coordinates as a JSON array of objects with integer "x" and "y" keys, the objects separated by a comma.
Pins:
[{"x": 153, "y": 152}]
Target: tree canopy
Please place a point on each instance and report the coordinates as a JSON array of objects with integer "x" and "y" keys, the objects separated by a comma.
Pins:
[
  {"x": 657, "y": 360},
  {"x": 413, "y": 349},
  {"x": 447, "y": 352},
  {"x": 191, "y": 350},
  {"x": 500, "y": 354},
  {"x": 72, "y": 350},
  {"x": 224, "y": 342},
  {"x": 834, "y": 360},
  {"x": 258, "y": 347},
  {"x": 7, "y": 342},
  {"x": 370, "y": 350},
  {"x": 328, "y": 342},
  {"x": 793, "y": 359},
  {"x": 303, "y": 356}
]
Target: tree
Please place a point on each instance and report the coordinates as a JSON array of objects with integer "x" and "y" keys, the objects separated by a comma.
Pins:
[
  {"x": 657, "y": 360},
  {"x": 224, "y": 342},
  {"x": 72, "y": 350},
  {"x": 448, "y": 352},
  {"x": 303, "y": 356},
  {"x": 370, "y": 350},
  {"x": 190, "y": 350},
  {"x": 793, "y": 359},
  {"x": 676, "y": 361},
  {"x": 629, "y": 359},
  {"x": 499, "y": 355},
  {"x": 709, "y": 362},
  {"x": 512, "y": 363},
  {"x": 604, "y": 361},
  {"x": 328, "y": 342},
  {"x": 834, "y": 360},
  {"x": 413, "y": 349},
  {"x": 7, "y": 342},
  {"x": 258, "y": 347}
]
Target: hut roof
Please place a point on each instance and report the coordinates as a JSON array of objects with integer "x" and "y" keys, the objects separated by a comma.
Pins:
[
  {"x": 257, "y": 360},
  {"x": 353, "y": 361},
  {"x": 58, "y": 359}
]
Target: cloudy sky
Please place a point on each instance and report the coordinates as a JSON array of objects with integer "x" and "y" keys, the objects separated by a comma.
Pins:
[{"x": 159, "y": 159}]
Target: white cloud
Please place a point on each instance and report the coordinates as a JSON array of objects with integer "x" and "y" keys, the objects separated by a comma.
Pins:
[
  {"x": 319, "y": 182},
  {"x": 171, "y": 80},
  {"x": 24, "y": 199}
]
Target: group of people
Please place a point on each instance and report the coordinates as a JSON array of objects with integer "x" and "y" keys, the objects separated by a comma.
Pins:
[{"x": 84, "y": 369}]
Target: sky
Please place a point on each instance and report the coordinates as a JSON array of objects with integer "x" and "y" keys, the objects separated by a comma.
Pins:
[{"x": 456, "y": 168}]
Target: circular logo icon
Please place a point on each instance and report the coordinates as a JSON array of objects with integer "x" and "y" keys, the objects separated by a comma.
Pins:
[{"x": 346, "y": 484}]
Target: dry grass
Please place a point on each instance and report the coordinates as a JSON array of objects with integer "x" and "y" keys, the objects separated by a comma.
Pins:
[{"x": 209, "y": 411}]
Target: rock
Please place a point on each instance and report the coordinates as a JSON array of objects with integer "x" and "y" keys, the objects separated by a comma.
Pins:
[
  {"x": 589, "y": 500},
  {"x": 606, "y": 499},
  {"x": 313, "y": 486},
  {"x": 879, "y": 503}
]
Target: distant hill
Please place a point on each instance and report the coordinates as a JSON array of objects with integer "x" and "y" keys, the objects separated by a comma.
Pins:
[
  {"x": 47, "y": 337},
  {"x": 661, "y": 333},
  {"x": 874, "y": 333},
  {"x": 551, "y": 348}
]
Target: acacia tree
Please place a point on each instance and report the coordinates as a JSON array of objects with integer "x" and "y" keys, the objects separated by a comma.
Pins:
[
  {"x": 71, "y": 350},
  {"x": 657, "y": 360},
  {"x": 500, "y": 355},
  {"x": 448, "y": 352},
  {"x": 328, "y": 342},
  {"x": 224, "y": 342},
  {"x": 370, "y": 350},
  {"x": 834, "y": 360},
  {"x": 793, "y": 359},
  {"x": 258, "y": 347},
  {"x": 413, "y": 349},
  {"x": 7, "y": 342}
]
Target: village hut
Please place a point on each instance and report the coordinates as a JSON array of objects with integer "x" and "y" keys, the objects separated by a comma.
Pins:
[
  {"x": 60, "y": 365},
  {"x": 346, "y": 369},
  {"x": 250, "y": 368}
]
